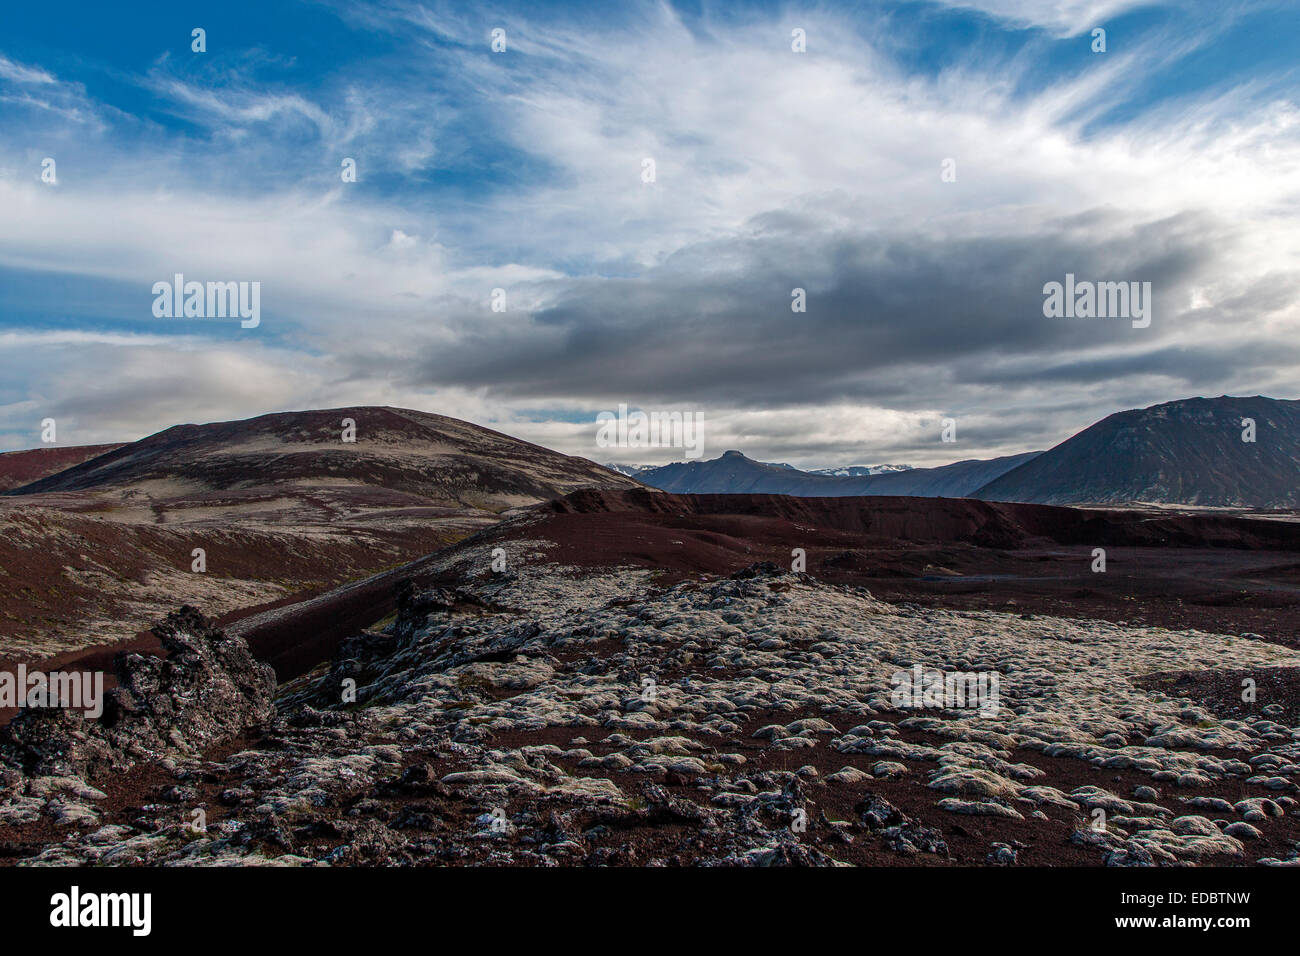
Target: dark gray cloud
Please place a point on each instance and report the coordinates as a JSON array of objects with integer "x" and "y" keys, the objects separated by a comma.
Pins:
[{"x": 902, "y": 320}]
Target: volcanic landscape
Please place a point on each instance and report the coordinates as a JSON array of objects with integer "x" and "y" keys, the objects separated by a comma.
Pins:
[{"x": 441, "y": 646}]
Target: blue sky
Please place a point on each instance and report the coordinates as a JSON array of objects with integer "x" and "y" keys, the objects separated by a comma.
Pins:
[{"x": 1172, "y": 157}]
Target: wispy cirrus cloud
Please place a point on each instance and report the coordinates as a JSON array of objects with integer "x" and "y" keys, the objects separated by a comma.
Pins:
[
  {"x": 17, "y": 73},
  {"x": 1063, "y": 17}
]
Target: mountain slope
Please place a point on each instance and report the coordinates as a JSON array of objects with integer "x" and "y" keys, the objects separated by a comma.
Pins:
[
  {"x": 733, "y": 473},
  {"x": 279, "y": 505},
  {"x": 398, "y": 456},
  {"x": 18, "y": 468},
  {"x": 1185, "y": 452}
]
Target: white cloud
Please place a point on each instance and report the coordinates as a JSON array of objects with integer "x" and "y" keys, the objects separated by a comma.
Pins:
[
  {"x": 17, "y": 73},
  {"x": 1064, "y": 17}
]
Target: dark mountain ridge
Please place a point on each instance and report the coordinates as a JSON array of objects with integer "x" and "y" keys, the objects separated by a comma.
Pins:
[
  {"x": 1189, "y": 452},
  {"x": 733, "y": 473}
]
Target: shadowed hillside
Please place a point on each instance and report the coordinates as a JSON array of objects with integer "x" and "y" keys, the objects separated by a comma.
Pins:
[{"x": 1187, "y": 452}]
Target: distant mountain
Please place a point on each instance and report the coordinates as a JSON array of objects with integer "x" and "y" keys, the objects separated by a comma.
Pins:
[
  {"x": 958, "y": 480},
  {"x": 1185, "y": 452},
  {"x": 859, "y": 471},
  {"x": 631, "y": 471},
  {"x": 733, "y": 473},
  {"x": 635, "y": 471}
]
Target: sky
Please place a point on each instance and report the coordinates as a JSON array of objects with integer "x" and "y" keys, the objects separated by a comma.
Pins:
[{"x": 920, "y": 169}]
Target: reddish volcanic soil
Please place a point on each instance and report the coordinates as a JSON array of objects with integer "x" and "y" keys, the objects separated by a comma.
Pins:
[
  {"x": 1215, "y": 573},
  {"x": 18, "y": 468}
]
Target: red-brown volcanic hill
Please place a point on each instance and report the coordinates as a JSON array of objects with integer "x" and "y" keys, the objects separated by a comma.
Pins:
[
  {"x": 18, "y": 468},
  {"x": 395, "y": 452},
  {"x": 280, "y": 504}
]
